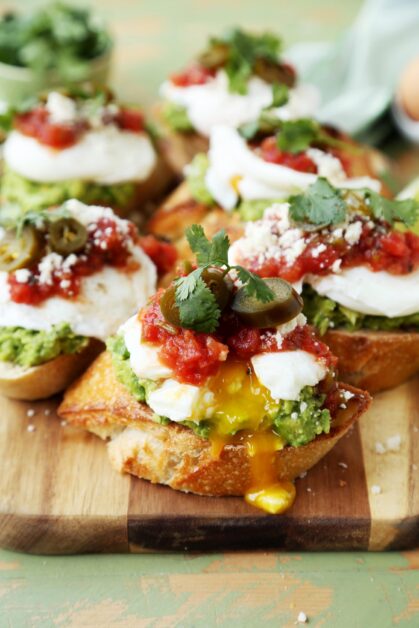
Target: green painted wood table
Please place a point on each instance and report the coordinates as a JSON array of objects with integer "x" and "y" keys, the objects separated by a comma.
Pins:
[{"x": 241, "y": 589}]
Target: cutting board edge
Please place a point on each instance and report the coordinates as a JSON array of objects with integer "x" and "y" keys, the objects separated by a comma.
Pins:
[
  {"x": 62, "y": 534},
  {"x": 69, "y": 534}
]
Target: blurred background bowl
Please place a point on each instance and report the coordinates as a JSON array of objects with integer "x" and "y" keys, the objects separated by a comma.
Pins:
[{"x": 18, "y": 83}]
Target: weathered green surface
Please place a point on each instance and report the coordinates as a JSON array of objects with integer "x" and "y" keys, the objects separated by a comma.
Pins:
[{"x": 343, "y": 590}]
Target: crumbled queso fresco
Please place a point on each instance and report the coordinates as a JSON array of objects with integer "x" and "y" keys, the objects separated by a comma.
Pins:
[
  {"x": 275, "y": 237},
  {"x": 53, "y": 264}
]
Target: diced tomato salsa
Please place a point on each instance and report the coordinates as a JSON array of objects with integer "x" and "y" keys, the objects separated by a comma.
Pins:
[
  {"x": 106, "y": 246},
  {"x": 378, "y": 247},
  {"x": 37, "y": 124},
  {"x": 269, "y": 151},
  {"x": 193, "y": 75},
  {"x": 163, "y": 254},
  {"x": 194, "y": 356}
]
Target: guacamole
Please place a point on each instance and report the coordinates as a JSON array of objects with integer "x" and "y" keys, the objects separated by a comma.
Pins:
[
  {"x": 299, "y": 422},
  {"x": 195, "y": 177},
  {"x": 27, "y": 347},
  {"x": 296, "y": 422},
  {"x": 197, "y": 170},
  {"x": 326, "y": 314},
  {"x": 120, "y": 358},
  {"x": 176, "y": 117},
  {"x": 34, "y": 195}
]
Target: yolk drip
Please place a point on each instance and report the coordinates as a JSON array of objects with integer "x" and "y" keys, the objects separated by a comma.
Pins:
[
  {"x": 239, "y": 408},
  {"x": 265, "y": 491},
  {"x": 237, "y": 400}
]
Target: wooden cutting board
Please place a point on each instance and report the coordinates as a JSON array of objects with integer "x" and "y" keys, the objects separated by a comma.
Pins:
[{"x": 59, "y": 494}]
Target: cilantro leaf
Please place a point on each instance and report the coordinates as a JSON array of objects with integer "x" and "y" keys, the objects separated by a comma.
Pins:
[
  {"x": 219, "y": 248},
  {"x": 207, "y": 252},
  {"x": 321, "y": 204},
  {"x": 280, "y": 95},
  {"x": 199, "y": 243},
  {"x": 296, "y": 136},
  {"x": 200, "y": 310},
  {"x": 254, "y": 285},
  {"x": 240, "y": 51},
  {"x": 186, "y": 285},
  {"x": 406, "y": 212}
]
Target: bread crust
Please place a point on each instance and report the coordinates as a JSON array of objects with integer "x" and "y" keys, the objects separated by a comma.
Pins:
[
  {"x": 172, "y": 454},
  {"x": 50, "y": 378},
  {"x": 375, "y": 360},
  {"x": 151, "y": 189},
  {"x": 178, "y": 149}
]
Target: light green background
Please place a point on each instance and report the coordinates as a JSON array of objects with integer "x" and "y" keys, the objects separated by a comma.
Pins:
[{"x": 355, "y": 590}]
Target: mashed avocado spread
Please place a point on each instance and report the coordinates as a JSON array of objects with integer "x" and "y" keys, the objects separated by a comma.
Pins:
[
  {"x": 33, "y": 195},
  {"x": 326, "y": 314},
  {"x": 27, "y": 347},
  {"x": 296, "y": 422},
  {"x": 197, "y": 170},
  {"x": 176, "y": 117}
]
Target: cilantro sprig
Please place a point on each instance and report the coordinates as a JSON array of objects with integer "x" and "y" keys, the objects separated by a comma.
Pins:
[
  {"x": 293, "y": 136},
  {"x": 322, "y": 205},
  {"x": 238, "y": 52},
  {"x": 198, "y": 307}
]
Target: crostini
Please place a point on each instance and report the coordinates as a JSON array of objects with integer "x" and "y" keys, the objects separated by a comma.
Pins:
[
  {"x": 83, "y": 144},
  {"x": 217, "y": 386},
  {"x": 235, "y": 78},
  {"x": 246, "y": 170},
  {"x": 69, "y": 277},
  {"x": 359, "y": 275}
]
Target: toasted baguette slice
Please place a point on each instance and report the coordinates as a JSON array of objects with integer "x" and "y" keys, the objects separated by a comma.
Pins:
[
  {"x": 178, "y": 149},
  {"x": 375, "y": 360},
  {"x": 151, "y": 189},
  {"x": 180, "y": 211},
  {"x": 172, "y": 454},
  {"x": 45, "y": 380}
]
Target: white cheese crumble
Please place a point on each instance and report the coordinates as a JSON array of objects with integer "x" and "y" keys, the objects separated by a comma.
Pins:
[
  {"x": 22, "y": 275},
  {"x": 392, "y": 443},
  {"x": 375, "y": 489},
  {"x": 61, "y": 109},
  {"x": 302, "y": 618},
  {"x": 353, "y": 232},
  {"x": 270, "y": 238}
]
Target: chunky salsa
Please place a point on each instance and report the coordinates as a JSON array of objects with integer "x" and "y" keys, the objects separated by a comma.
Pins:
[
  {"x": 269, "y": 151},
  {"x": 195, "y": 74},
  {"x": 378, "y": 247},
  {"x": 37, "y": 124},
  {"x": 106, "y": 245},
  {"x": 195, "y": 356}
]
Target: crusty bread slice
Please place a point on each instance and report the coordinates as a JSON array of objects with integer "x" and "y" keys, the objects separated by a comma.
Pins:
[
  {"x": 375, "y": 360},
  {"x": 151, "y": 189},
  {"x": 178, "y": 149},
  {"x": 174, "y": 455},
  {"x": 45, "y": 380}
]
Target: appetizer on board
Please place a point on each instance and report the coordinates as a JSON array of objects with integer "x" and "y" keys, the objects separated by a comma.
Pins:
[
  {"x": 359, "y": 275},
  {"x": 69, "y": 277},
  {"x": 217, "y": 386},
  {"x": 83, "y": 144},
  {"x": 247, "y": 169},
  {"x": 235, "y": 78}
]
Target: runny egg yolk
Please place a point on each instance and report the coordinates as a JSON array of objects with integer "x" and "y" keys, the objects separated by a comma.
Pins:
[
  {"x": 265, "y": 491},
  {"x": 235, "y": 400}
]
